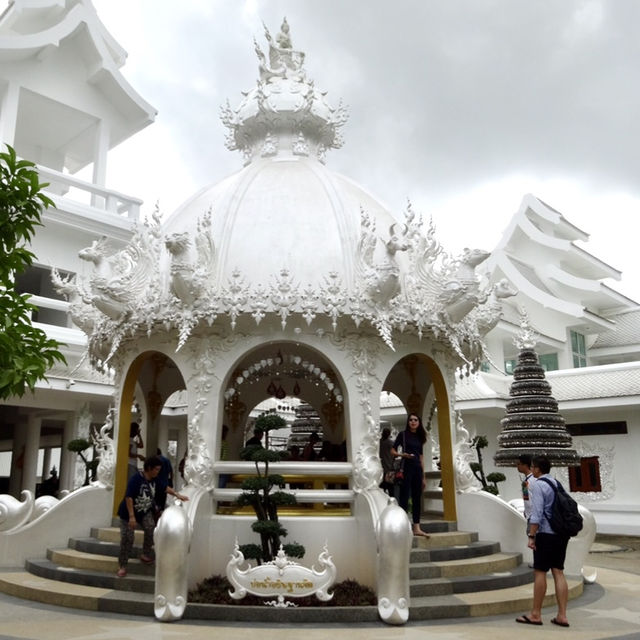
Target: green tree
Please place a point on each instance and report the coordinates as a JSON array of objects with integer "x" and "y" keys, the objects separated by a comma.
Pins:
[
  {"x": 25, "y": 351},
  {"x": 489, "y": 481},
  {"x": 79, "y": 446},
  {"x": 257, "y": 492}
]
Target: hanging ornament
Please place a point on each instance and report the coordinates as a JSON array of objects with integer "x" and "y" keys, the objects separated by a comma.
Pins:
[
  {"x": 281, "y": 393},
  {"x": 271, "y": 389},
  {"x": 296, "y": 389}
]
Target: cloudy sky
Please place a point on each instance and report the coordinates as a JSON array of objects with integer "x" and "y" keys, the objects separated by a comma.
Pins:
[{"x": 462, "y": 106}]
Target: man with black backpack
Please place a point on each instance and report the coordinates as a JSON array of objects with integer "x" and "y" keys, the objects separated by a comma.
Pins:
[{"x": 549, "y": 548}]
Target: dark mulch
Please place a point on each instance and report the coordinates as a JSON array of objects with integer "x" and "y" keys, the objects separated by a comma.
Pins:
[{"x": 348, "y": 593}]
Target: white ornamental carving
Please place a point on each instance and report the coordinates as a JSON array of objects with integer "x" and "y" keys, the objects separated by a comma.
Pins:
[
  {"x": 402, "y": 282},
  {"x": 105, "y": 450},
  {"x": 281, "y": 577},
  {"x": 463, "y": 455}
]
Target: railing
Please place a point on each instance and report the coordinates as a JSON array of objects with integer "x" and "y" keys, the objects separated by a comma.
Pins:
[
  {"x": 89, "y": 193},
  {"x": 320, "y": 488}
]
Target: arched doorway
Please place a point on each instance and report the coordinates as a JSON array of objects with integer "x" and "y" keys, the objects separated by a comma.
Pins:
[
  {"x": 418, "y": 382},
  {"x": 290, "y": 372},
  {"x": 151, "y": 378}
]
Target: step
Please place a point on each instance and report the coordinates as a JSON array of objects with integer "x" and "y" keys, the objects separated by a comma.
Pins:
[
  {"x": 112, "y": 534},
  {"x": 464, "y": 584},
  {"x": 454, "y": 552},
  {"x": 103, "y": 547},
  {"x": 465, "y": 567},
  {"x": 444, "y": 539},
  {"x": 104, "y": 579},
  {"x": 74, "y": 559},
  {"x": 438, "y": 525},
  {"x": 485, "y": 603},
  {"x": 22, "y": 584}
]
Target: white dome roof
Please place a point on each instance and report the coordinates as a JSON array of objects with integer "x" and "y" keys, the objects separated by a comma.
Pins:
[
  {"x": 286, "y": 237},
  {"x": 283, "y": 212}
]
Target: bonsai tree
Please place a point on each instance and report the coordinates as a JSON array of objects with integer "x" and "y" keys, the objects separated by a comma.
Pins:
[
  {"x": 490, "y": 481},
  {"x": 79, "y": 446},
  {"x": 258, "y": 492}
]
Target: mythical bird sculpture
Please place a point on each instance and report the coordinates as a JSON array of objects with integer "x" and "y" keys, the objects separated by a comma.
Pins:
[
  {"x": 461, "y": 291},
  {"x": 83, "y": 314},
  {"x": 463, "y": 455},
  {"x": 118, "y": 279},
  {"x": 191, "y": 276},
  {"x": 487, "y": 315},
  {"x": 380, "y": 278}
]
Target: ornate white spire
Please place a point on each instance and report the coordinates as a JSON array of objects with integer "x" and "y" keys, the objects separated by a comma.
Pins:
[
  {"x": 526, "y": 337},
  {"x": 285, "y": 114}
]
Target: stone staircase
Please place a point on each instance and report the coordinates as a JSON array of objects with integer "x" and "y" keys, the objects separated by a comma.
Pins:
[
  {"x": 452, "y": 575},
  {"x": 455, "y": 575}
]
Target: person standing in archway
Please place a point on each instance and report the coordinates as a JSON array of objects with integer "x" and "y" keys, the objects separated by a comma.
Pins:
[
  {"x": 408, "y": 445},
  {"x": 135, "y": 444},
  {"x": 386, "y": 459}
]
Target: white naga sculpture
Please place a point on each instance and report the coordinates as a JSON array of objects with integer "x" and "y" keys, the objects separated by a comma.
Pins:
[
  {"x": 118, "y": 279},
  {"x": 83, "y": 314},
  {"x": 487, "y": 315},
  {"x": 463, "y": 455},
  {"x": 462, "y": 292}
]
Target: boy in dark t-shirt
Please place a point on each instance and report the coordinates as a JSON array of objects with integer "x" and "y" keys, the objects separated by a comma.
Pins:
[{"x": 139, "y": 508}]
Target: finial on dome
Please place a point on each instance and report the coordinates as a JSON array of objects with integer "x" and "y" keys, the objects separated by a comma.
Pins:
[
  {"x": 526, "y": 337},
  {"x": 284, "y": 115},
  {"x": 284, "y": 61}
]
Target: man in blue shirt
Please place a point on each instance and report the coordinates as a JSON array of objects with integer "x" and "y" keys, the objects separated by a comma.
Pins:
[{"x": 549, "y": 549}]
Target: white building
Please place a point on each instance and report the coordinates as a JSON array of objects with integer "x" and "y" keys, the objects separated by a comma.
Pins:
[{"x": 64, "y": 104}]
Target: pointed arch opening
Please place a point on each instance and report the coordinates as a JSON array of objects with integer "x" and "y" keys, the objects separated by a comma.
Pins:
[
  {"x": 293, "y": 380},
  {"x": 419, "y": 386},
  {"x": 151, "y": 379}
]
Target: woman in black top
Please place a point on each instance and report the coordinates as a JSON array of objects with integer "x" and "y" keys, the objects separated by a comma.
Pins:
[{"x": 412, "y": 440}]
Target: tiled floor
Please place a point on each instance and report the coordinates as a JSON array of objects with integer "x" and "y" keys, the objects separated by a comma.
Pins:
[{"x": 610, "y": 608}]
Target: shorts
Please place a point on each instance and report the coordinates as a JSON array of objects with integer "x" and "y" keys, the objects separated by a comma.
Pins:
[{"x": 550, "y": 552}]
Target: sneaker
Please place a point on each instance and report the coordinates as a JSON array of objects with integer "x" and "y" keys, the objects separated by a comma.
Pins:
[
  {"x": 122, "y": 572},
  {"x": 146, "y": 560}
]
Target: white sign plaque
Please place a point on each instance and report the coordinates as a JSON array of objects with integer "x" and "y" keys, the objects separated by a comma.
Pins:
[{"x": 281, "y": 577}]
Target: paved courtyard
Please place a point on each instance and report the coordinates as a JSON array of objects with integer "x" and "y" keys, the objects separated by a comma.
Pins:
[{"x": 610, "y": 608}]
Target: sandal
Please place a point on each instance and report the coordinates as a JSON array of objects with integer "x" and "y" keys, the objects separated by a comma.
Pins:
[
  {"x": 146, "y": 560},
  {"x": 122, "y": 572}
]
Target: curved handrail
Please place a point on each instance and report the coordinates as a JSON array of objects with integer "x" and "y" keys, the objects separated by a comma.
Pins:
[
  {"x": 172, "y": 538},
  {"x": 394, "y": 550}
]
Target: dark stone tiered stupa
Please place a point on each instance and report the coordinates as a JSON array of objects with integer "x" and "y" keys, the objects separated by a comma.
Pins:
[
  {"x": 307, "y": 421},
  {"x": 532, "y": 424}
]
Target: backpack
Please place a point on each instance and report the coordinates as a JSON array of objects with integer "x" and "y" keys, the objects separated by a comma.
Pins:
[{"x": 565, "y": 519}]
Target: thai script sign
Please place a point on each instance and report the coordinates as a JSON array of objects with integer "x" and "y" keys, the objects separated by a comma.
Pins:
[{"x": 281, "y": 577}]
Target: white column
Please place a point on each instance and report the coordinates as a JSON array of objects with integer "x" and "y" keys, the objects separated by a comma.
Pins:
[
  {"x": 67, "y": 469},
  {"x": 32, "y": 444},
  {"x": 163, "y": 435},
  {"x": 46, "y": 464},
  {"x": 101, "y": 148},
  {"x": 17, "y": 459},
  {"x": 9, "y": 100},
  {"x": 182, "y": 447}
]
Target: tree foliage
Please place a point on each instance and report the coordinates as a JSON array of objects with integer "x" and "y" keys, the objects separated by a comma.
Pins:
[
  {"x": 79, "y": 446},
  {"x": 257, "y": 492},
  {"x": 490, "y": 481},
  {"x": 25, "y": 351}
]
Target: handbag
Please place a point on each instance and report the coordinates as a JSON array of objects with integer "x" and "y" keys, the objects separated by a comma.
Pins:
[{"x": 398, "y": 465}]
